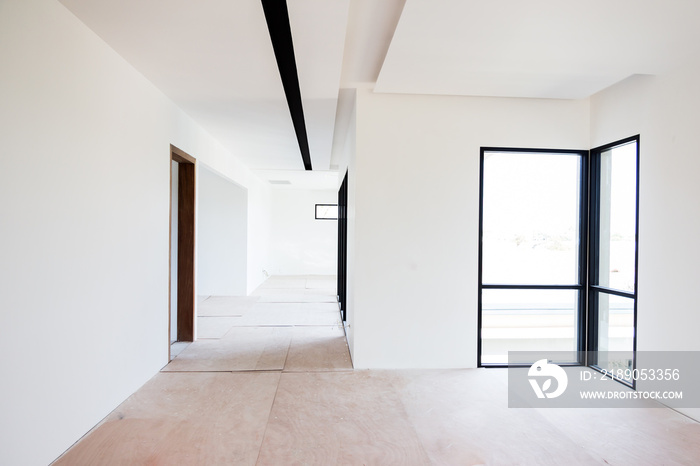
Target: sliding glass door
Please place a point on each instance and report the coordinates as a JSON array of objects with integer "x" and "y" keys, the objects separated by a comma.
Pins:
[{"x": 532, "y": 253}]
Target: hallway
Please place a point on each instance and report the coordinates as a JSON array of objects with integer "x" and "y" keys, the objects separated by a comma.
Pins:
[
  {"x": 288, "y": 323},
  {"x": 270, "y": 382}
]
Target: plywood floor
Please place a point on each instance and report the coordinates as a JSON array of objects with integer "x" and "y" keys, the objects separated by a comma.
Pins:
[{"x": 270, "y": 382}]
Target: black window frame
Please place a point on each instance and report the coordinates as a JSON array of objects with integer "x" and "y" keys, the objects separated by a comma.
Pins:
[
  {"x": 342, "y": 283},
  {"x": 316, "y": 217},
  {"x": 589, "y": 212},
  {"x": 593, "y": 269},
  {"x": 581, "y": 287}
]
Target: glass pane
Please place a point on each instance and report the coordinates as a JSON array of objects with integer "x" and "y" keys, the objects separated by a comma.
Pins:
[
  {"x": 530, "y": 218},
  {"x": 527, "y": 320},
  {"x": 618, "y": 217},
  {"x": 326, "y": 212},
  {"x": 615, "y": 332},
  {"x": 615, "y": 323}
]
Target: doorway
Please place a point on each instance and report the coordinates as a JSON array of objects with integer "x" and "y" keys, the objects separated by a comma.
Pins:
[{"x": 181, "y": 302}]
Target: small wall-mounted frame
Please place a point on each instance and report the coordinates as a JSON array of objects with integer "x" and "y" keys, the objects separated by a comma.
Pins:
[{"x": 326, "y": 211}]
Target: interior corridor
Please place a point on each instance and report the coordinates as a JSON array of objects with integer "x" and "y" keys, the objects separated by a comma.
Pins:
[{"x": 270, "y": 382}]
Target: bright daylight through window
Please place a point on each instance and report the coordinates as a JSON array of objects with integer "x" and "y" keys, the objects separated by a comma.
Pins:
[
  {"x": 531, "y": 284},
  {"x": 552, "y": 246},
  {"x": 613, "y": 253},
  {"x": 326, "y": 212}
]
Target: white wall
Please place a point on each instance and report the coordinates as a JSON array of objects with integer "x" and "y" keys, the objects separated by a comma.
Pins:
[
  {"x": 84, "y": 272},
  {"x": 222, "y": 230},
  {"x": 259, "y": 234},
  {"x": 300, "y": 244},
  {"x": 416, "y": 225},
  {"x": 663, "y": 110}
]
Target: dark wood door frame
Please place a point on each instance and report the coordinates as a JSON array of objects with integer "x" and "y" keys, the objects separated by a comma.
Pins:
[{"x": 185, "y": 245}]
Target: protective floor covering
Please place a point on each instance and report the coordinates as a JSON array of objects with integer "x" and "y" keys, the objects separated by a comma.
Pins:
[{"x": 266, "y": 393}]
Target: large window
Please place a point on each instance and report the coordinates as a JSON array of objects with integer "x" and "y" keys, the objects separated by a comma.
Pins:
[
  {"x": 613, "y": 257},
  {"x": 557, "y": 256},
  {"x": 532, "y": 254}
]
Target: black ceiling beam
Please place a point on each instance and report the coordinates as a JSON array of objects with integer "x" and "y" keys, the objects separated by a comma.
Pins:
[{"x": 277, "y": 17}]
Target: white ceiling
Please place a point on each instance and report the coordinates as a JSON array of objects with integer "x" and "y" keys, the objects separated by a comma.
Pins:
[
  {"x": 214, "y": 59},
  {"x": 536, "y": 48}
]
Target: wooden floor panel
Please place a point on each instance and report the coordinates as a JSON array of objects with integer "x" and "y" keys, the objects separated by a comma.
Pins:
[
  {"x": 241, "y": 349},
  {"x": 214, "y": 327},
  {"x": 657, "y": 436},
  {"x": 328, "y": 418},
  {"x": 184, "y": 419},
  {"x": 274, "y": 385},
  {"x": 318, "y": 349},
  {"x": 462, "y": 417}
]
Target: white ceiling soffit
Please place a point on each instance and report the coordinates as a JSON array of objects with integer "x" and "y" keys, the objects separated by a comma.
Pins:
[
  {"x": 214, "y": 59},
  {"x": 539, "y": 48},
  {"x": 371, "y": 26}
]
